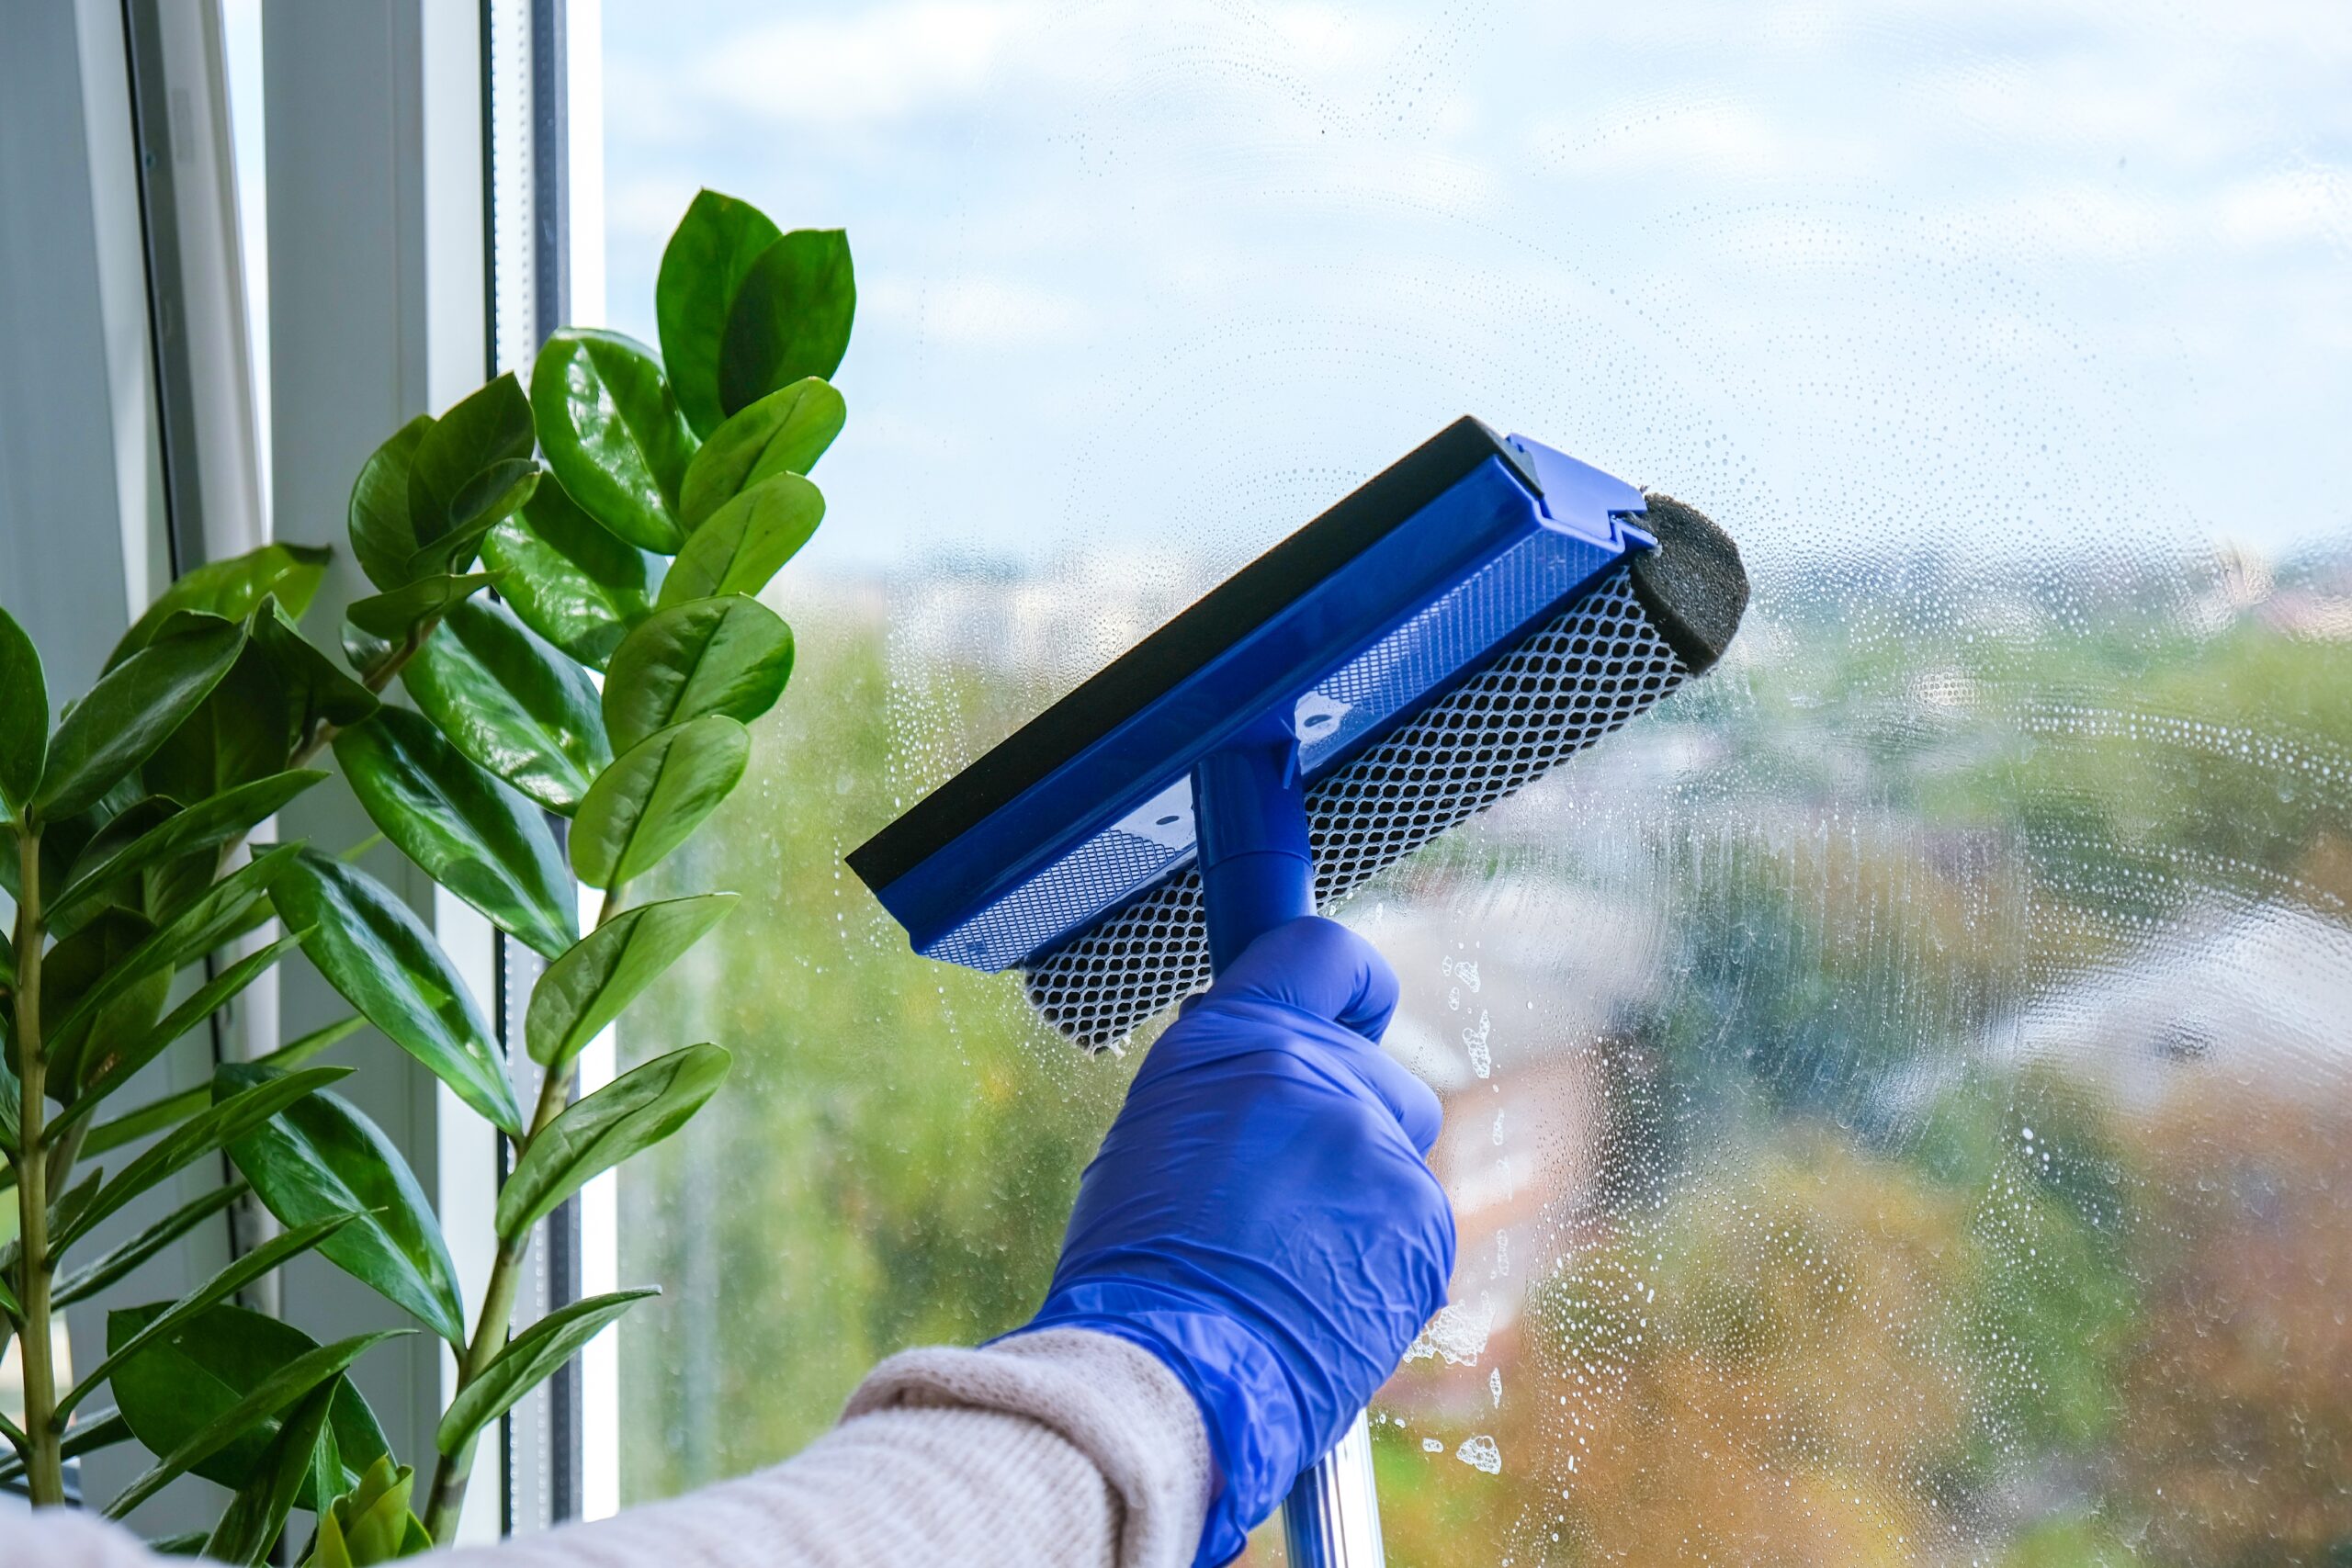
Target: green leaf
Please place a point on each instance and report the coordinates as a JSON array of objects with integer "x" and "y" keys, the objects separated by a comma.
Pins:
[
  {"x": 471, "y": 833},
  {"x": 634, "y": 1112},
  {"x": 88, "y": 1022},
  {"x": 784, "y": 433},
  {"x": 102, "y": 1074},
  {"x": 133, "y": 707},
  {"x": 132, "y": 822},
  {"x": 489, "y": 428},
  {"x": 105, "y": 1271},
  {"x": 315, "y": 691},
  {"x": 255, "y": 1517},
  {"x": 100, "y": 1431},
  {"x": 373, "y": 1523},
  {"x": 613, "y": 433},
  {"x": 241, "y": 1272},
  {"x": 790, "y": 317},
  {"x": 321, "y": 1157},
  {"x": 728, "y": 655},
  {"x": 511, "y": 704},
  {"x": 201, "y": 1135},
  {"x": 376, "y": 952},
  {"x": 23, "y": 715},
  {"x": 568, "y": 579},
  {"x": 706, "y": 262},
  {"x": 174, "y": 1109},
  {"x": 215, "y": 917},
  {"x": 489, "y": 499},
  {"x": 230, "y": 589},
  {"x": 248, "y": 1418},
  {"x": 382, "y": 537},
  {"x": 527, "y": 1361},
  {"x": 181, "y": 1383},
  {"x": 746, "y": 541},
  {"x": 653, "y": 797},
  {"x": 201, "y": 826},
  {"x": 245, "y": 731},
  {"x": 396, "y": 614},
  {"x": 587, "y": 987}
]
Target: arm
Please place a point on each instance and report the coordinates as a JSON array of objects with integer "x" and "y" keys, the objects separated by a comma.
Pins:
[
  {"x": 1066, "y": 1449},
  {"x": 1058, "y": 1450}
]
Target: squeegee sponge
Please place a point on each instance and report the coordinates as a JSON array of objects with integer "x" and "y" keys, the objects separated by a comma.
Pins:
[{"x": 1692, "y": 584}]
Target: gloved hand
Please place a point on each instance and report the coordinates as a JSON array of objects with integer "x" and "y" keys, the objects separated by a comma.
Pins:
[{"x": 1263, "y": 1217}]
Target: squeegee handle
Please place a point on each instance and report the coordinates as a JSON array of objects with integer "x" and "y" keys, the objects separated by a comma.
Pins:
[
  {"x": 1257, "y": 873},
  {"x": 1250, "y": 819}
]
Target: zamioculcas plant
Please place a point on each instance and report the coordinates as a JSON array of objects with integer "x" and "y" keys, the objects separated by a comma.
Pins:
[{"x": 620, "y": 516}]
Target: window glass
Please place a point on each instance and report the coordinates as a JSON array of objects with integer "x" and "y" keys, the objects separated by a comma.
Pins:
[{"x": 1899, "y": 1101}]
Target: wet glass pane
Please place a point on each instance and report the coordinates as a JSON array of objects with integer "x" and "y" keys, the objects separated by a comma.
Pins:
[{"x": 1899, "y": 1096}]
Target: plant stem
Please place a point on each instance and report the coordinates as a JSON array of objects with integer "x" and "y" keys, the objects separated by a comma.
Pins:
[
  {"x": 451, "y": 1472},
  {"x": 44, "y": 1468},
  {"x": 375, "y": 679}
]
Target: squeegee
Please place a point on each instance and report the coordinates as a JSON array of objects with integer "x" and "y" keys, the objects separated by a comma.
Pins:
[{"x": 1468, "y": 619}]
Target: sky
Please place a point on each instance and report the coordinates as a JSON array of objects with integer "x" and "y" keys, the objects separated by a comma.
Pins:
[{"x": 1983, "y": 276}]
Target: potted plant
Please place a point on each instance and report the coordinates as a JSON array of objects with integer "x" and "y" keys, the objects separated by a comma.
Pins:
[{"x": 618, "y": 516}]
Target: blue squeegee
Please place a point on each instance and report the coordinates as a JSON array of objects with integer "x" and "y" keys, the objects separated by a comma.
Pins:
[{"x": 1462, "y": 623}]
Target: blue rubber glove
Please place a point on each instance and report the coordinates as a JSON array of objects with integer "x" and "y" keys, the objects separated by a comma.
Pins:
[{"x": 1263, "y": 1217}]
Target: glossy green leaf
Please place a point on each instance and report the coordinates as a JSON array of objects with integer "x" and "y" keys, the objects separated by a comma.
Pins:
[
  {"x": 492, "y": 496},
  {"x": 321, "y": 1157},
  {"x": 634, "y": 1112},
  {"x": 182, "y": 1382},
  {"x": 613, "y": 433},
  {"x": 471, "y": 833},
  {"x": 201, "y": 826},
  {"x": 133, "y": 822},
  {"x": 653, "y": 797},
  {"x": 382, "y": 538},
  {"x": 132, "y": 708},
  {"x": 252, "y": 1419},
  {"x": 232, "y": 588},
  {"x": 586, "y": 988},
  {"x": 488, "y": 428},
  {"x": 745, "y": 542},
  {"x": 85, "y": 1020},
  {"x": 245, "y": 731},
  {"x": 201, "y": 1134},
  {"x": 569, "y": 578},
  {"x": 373, "y": 1523},
  {"x": 170, "y": 1110},
  {"x": 255, "y": 1517},
  {"x": 23, "y": 715},
  {"x": 374, "y": 951},
  {"x": 526, "y": 1361},
  {"x": 729, "y": 656},
  {"x": 212, "y": 918},
  {"x": 706, "y": 262},
  {"x": 242, "y": 1271},
  {"x": 789, "y": 318},
  {"x": 106, "y": 1270},
  {"x": 512, "y": 704},
  {"x": 396, "y": 614},
  {"x": 101, "y": 1073},
  {"x": 100, "y": 1431},
  {"x": 784, "y": 433},
  {"x": 315, "y": 690}
]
